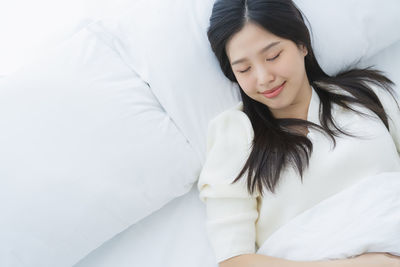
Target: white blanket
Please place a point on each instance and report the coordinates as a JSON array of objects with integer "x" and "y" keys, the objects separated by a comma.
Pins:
[{"x": 362, "y": 218}]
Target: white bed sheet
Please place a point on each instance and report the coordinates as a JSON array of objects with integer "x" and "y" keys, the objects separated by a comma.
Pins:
[{"x": 175, "y": 235}]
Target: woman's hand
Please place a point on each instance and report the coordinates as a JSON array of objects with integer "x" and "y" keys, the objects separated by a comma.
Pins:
[{"x": 378, "y": 259}]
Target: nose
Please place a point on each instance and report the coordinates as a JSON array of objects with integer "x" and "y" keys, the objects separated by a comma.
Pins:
[{"x": 264, "y": 76}]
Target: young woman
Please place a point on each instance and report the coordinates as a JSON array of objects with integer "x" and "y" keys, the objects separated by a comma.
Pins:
[{"x": 297, "y": 137}]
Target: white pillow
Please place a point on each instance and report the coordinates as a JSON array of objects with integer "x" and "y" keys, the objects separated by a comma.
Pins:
[
  {"x": 166, "y": 43},
  {"x": 345, "y": 31},
  {"x": 86, "y": 151},
  {"x": 144, "y": 244},
  {"x": 29, "y": 28},
  {"x": 388, "y": 61}
]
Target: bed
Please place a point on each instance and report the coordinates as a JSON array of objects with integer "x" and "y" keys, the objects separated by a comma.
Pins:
[{"x": 99, "y": 162}]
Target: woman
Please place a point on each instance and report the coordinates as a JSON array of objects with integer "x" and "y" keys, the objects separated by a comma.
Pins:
[{"x": 298, "y": 136}]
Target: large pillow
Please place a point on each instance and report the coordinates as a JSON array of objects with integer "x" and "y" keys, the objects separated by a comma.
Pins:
[
  {"x": 388, "y": 61},
  {"x": 346, "y": 31},
  {"x": 29, "y": 28},
  {"x": 86, "y": 150},
  {"x": 166, "y": 43}
]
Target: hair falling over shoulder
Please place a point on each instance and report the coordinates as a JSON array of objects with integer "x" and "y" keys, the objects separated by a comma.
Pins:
[{"x": 275, "y": 146}]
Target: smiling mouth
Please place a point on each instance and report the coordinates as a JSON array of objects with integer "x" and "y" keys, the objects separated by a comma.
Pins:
[
  {"x": 274, "y": 92},
  {"x": 274, "y": 89}
]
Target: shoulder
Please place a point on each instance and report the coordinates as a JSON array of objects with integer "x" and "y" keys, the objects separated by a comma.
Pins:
[
  {"x": 232, "y": 112},
  {"x": 390, "y": 101},
  {"x": 377, "y": 89},
  {"x": 231, "y": 126},
  {"x": 391, "y": 104},
  {"x": 229, "y": 144},
  {"x": 386, "y": 97}
]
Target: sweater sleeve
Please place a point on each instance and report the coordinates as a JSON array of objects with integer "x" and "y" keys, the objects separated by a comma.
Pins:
[
  {"x": 231, "y": 211},
  {"x": 392, "y": 109}
]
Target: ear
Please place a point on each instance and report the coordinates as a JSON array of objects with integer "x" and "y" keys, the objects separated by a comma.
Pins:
[{"x": 304, "y": 49}]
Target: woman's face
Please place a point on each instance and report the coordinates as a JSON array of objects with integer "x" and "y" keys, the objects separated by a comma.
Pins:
[{"x": 262, "y": 62}]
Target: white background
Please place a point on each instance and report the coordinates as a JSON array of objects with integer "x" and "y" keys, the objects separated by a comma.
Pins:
[{"x": 29, "y": 27}]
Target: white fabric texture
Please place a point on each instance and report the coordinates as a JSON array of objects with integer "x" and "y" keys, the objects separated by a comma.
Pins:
[
  {"x": 360, "y": 219},
  {"x": 231, "y": 211},
  {"x": 166, "y": 43},
  {"x": 174, "y": 236},
  {"x": 346, "y": 31},
  {"x": 107, "y": 118},
  {"x": 237, "y": 220},
  {"x": 149, "y": 237},
  {"x": 86, "y": 152}
]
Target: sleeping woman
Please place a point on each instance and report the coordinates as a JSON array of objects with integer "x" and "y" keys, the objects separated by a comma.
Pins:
[{"x": 297, "y": 137}]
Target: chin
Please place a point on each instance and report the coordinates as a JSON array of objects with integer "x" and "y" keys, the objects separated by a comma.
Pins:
[{"x": 277, "y": 107}]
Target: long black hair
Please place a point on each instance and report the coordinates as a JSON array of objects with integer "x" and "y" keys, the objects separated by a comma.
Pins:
[{"x": 275, "y": 145}]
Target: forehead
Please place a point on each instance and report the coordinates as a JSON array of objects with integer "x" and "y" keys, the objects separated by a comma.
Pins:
[{"x": 250, "y": 38}]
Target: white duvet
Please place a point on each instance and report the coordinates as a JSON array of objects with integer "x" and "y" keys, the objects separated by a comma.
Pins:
[{"x": 362, "y": 218}]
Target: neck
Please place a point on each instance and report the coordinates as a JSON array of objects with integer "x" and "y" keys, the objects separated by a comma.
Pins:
[{"x": 299, "y": 108}]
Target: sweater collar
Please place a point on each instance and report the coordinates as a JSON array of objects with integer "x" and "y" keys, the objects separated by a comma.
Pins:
[{"x": 313, "y": 108}]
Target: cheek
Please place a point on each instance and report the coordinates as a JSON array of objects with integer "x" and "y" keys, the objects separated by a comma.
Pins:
[
  {"x": 284, "y": 69},
  {"x": 246, "y": 84},
  {"x": 290, "y": 68}
]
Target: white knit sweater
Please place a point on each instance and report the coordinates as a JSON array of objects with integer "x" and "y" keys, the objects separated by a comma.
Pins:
[{"x": 238, "y": 223}]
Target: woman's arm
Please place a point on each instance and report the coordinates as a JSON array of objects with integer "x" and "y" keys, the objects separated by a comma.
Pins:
[
  {"x": 364, "y": 260},
  {"x": 231, "y": 211}
]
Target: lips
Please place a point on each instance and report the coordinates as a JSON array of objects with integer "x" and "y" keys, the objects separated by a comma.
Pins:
[
  {"x": 274, "y": 92},
  {"x": 273, "y": 89}
]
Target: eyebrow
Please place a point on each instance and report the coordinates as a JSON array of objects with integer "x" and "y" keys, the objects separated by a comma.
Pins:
[{"x": 261, "y": 51}]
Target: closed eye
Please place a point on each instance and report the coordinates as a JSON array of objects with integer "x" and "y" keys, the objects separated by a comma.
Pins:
[
  {"x": 243, "y": 71},
  {"x": 271, "y": 59}
]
